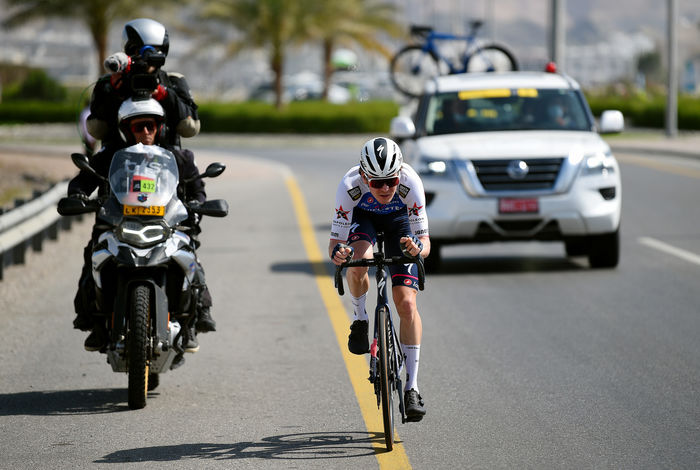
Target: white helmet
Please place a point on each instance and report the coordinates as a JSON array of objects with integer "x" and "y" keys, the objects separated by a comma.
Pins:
[
  {"x": 144, "y": 32},
  {"x": 380, "y": 157},
  {"x": 131, "y": 108}
]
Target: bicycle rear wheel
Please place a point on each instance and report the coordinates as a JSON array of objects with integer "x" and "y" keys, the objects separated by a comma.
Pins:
[
  {"x": 411, "y": 67},
  {"x": 491, "y": 58},
  {"x": 386, "y": 379}
]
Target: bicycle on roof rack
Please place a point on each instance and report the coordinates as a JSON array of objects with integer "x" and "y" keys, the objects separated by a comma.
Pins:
[
  {"x": 386, "y": 357},
  {"x": 414, "y": 64}
]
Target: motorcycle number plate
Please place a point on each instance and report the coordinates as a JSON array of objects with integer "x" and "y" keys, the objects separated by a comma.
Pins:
[{"x": 144, "y": 210}]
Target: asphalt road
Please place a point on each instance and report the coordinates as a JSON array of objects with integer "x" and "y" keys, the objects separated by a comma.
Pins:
[{"x": 529, "y": 359}]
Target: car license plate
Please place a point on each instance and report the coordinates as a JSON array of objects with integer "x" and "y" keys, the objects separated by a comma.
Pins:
[
  {"x": 518, "y": 206},
  {"x": 144, "y": 210}
]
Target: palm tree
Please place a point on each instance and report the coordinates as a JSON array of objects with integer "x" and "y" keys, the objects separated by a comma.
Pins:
[
  {"x": 97, "y": 15},
  {"x": 272, "y": 24},
  {"x": 361, "y": 22}
]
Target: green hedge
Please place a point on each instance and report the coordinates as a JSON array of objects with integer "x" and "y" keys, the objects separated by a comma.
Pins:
[
  {"x": 32, "y": 112},
  {"x": 641, "y": 111},
  {"x": 307, "y": 117}
]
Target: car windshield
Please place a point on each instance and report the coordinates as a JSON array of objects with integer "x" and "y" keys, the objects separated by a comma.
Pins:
[{"x": 505, "y": 110}]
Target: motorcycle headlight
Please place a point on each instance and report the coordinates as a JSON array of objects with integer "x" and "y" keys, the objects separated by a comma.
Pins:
[
  {"x": 599, "y": 164},
  {"x": 142, "y": 235}
]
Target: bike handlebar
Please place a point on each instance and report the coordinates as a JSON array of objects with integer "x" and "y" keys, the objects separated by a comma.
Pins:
[{"x": 380, "y": 262}]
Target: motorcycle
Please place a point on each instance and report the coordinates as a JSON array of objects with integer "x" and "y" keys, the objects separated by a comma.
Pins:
[{"x": 147, "y": 277}]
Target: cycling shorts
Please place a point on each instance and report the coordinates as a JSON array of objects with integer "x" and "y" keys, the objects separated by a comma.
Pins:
[{"x": 395, "y": 225}]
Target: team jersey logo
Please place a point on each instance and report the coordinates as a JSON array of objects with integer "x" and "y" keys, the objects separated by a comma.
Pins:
[
  {"x": 341, "y": 214},
  {"x": 355, "y": 193},
  {"x": 404, "y": 190},
  {"x": 415, "y": 210}
]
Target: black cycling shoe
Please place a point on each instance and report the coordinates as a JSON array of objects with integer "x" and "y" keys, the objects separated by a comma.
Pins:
[
  {"x": 205, "y": 322},
  {"x": 358, "y": 343},
  {"x": 97, "y": 339},
  {"x": 413, "y": 403}
]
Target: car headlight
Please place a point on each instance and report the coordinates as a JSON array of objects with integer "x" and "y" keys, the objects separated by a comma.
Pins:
[
  {"x": 433, "y": 167},
  {"x": 599, "y": 164},
  {"x": 142, "y": 235}
]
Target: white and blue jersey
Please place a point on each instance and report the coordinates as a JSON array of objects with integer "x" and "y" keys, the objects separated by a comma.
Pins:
[
  {"x": 359, "y": 216},
  {"x": 354, "y": 193}
]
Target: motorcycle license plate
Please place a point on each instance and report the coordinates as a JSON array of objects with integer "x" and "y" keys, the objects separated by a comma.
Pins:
[
  {"x": 144, "y": 210},
  {"x": 518, "y": 206}
]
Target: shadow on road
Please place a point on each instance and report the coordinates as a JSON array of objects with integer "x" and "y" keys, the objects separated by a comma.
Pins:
[
  {"x": 507, "y": 265},
  {"x": 306, "y": 446},
  {"x": 64, "y": 402},
  {"x": 461, "y": 265},
  {"x": 305, "y": 267}
]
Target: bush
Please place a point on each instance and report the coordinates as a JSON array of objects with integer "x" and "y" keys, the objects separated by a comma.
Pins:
[
  {"x": 645, "y": 111},
  {"x": 20, "y": 112},
  {"x": 300, "y": 117},
  {"x": 36, "y": 86}
]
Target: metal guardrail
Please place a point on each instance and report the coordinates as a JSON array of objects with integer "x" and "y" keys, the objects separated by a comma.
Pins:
[{"x": 29, "y": 224}]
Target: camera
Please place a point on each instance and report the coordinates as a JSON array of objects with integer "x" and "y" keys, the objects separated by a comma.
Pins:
[{"x": 142, "y": 82}]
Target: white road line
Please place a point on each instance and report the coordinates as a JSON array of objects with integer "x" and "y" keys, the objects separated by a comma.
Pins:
[{"x": 671, "y": 250}]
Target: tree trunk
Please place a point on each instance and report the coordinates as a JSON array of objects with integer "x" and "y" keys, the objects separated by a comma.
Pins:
[
  {"x": 278, "y": 68},
  {"x": 327, "y": 66}
]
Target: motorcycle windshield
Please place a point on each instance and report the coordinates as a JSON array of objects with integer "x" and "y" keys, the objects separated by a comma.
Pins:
[{"x": 143, "y": 175}]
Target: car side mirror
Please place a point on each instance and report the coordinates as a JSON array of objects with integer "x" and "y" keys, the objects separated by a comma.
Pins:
[
  {"x": 402, "y": 127},
  {"x": 611, "y": 122}
]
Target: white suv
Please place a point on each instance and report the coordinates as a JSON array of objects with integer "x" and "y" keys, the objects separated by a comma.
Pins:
[{"x": 515, "y": 156}]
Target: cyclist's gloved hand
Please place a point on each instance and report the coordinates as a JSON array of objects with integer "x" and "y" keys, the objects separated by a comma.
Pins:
[
  {"x": 341, "y": 253},
  {"x": 408, "y": 248}
]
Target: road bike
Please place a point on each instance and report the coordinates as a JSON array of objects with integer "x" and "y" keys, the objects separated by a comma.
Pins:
[
  {"x": 414, "y": 64},
  {"x": 386, "y": 357}
]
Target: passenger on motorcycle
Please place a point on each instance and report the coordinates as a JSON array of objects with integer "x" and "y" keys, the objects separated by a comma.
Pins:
[
  {"x": 140, "y": 121},
  {"x": 137, "y": 72},
  {"x": 383, "y": 194}
]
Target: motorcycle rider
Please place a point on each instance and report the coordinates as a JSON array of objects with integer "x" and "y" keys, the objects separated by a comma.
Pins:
[
  {"x": 137, "y": 72},
  {"x": 140, "y": 121}
]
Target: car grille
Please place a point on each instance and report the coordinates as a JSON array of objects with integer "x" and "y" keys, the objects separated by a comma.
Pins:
[{"x": 541, "y": 175}]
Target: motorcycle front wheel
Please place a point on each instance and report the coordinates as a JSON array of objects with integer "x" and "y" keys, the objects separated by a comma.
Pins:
[{"x": 138, "y": 347}]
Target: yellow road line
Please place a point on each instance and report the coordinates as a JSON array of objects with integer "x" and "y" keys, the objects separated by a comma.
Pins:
[
  {"x": 660, "y": 165},
  {"x": 356, "y": 365}
]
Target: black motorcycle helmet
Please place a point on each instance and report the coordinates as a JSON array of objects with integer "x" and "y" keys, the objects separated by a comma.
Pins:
[{"x": 144, "y": 32}]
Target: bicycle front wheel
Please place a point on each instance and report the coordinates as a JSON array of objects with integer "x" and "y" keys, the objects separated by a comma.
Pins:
[
  {"x": 411, "y": 67},
  {"x": 386, "y": 379},
  {"x": 491, "y": 58}
]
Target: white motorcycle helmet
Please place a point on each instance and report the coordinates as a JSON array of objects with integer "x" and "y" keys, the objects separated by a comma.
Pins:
[
  {"x": 131, "y": 108},
  {"x": 380, "y": 158}
]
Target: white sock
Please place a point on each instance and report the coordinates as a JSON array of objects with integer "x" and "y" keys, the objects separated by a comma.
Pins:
[
  {"x": 358, "y": 307},
  {"x": 412, "y": 355}
]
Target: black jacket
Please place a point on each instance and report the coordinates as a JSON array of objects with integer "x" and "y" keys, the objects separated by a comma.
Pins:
[{"x": 112, "y": 89}]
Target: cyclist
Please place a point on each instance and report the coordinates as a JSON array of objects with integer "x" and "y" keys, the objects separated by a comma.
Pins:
[
  {"x": 383, "y": 194},
  {"x": 140, "y": 121}
]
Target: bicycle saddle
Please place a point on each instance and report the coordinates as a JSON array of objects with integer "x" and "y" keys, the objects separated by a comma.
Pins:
[{"x": 417, "y": 30}]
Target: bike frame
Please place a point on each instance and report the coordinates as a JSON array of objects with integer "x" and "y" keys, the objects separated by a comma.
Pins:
[
  {"x": 430, "y": 46},
  {"x": 381, "y": 262}
]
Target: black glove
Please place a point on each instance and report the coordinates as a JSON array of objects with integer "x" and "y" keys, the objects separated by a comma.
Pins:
[
  {"x": 81, "y": 196},
  {"x": 338, "y": 247},
  {"x": 415, "y": 240}
]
